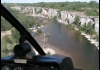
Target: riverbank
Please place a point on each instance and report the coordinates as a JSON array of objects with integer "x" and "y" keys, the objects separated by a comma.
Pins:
[
  {"x": 35, "y": 30},
  {"x": 75, "y": 46},
  {"x": 46, "y": 50},
  {"x": 92, "y": 41},
  {"x": 53, "y": 50}
]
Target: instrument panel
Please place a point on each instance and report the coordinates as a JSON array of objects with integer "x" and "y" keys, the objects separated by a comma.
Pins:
[
  {"x": 37, "y": 62},
  {"x": 16, "y": 66}
]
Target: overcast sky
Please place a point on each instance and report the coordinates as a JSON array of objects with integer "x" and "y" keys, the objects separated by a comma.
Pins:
[{"x": 35, "y": 1}]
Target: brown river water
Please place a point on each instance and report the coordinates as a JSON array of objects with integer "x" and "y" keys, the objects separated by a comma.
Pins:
[{"x": 71, "y": 43}]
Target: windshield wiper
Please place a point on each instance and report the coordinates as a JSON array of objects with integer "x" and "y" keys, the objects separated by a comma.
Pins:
[{"x": 14, "y": 22}]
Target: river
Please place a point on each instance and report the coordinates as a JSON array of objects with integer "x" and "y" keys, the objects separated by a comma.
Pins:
[{"x": 83, "y": 54}]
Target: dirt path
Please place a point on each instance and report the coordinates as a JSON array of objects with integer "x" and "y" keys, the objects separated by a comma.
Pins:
[{"x": 3, "y": 33}]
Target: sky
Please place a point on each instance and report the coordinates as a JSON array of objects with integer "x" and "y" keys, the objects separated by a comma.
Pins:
[{"x": 35, "y": 1}]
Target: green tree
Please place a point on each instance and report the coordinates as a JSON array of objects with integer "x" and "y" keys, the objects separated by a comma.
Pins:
[
  {"x": 59, "y": 14},
  {"x": 83, "y": 27},
  {"x": 54, "y": 18},
  {"x": 5, "y": 25},
  {"x": 39, "y": 11},
  {"x": 31, "y": 21},
  {"x": 47, "y": 35},
  {"x": 48, "y": 53},
  {"x": 93, "y": 4},
  {"x": 92, "y": 12},
  {"x": 7, "y": 39},
  {"x": 39, "y": 31},
  {"x": 76, "y": 22},
  {"x": 90, "y": 30},
  {"x": 70, "y": 26},
  {"x": 15, "y": 35}
]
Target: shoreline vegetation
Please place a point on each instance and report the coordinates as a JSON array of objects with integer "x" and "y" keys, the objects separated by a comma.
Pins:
[
  {"x": 92, "y": 41},
  {"x": 50, "y": 51}
]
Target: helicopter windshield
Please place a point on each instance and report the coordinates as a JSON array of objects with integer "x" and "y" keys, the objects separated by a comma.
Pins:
[{"x": 51, "y": 28}]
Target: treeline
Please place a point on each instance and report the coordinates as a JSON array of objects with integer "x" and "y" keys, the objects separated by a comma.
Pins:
[
  {"x": 88, "y": 29},
  {"x": 26, "y": 21},
  {"x": 90, "y": 9}
]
